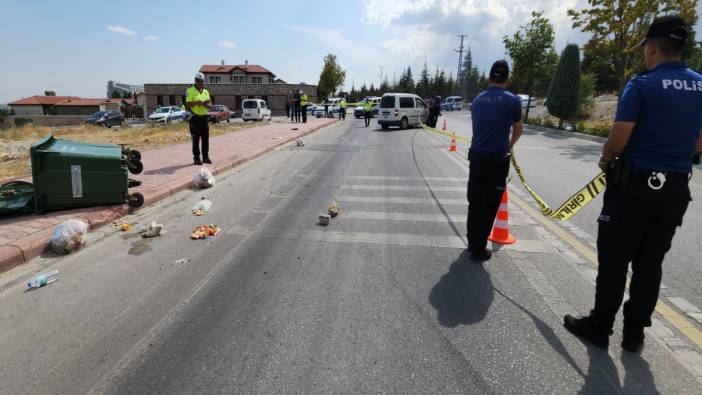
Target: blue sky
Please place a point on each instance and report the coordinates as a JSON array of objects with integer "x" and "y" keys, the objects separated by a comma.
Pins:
[{"x": 74, "y": 47}]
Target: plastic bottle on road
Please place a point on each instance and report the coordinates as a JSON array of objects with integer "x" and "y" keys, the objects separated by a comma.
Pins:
[{"x": 43, "y": 279}]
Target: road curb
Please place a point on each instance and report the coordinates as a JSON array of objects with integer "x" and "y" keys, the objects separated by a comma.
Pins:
[
  {"x": 36, "y": 243},
  {"x": 565, "y": 133}
]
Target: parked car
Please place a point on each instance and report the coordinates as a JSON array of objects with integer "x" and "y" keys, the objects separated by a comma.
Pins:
[
  {"x": 332, "y": 107},
  {"x": 107, "y": 119},
  {"x": 359, "y": 112},
  {"x": 218, "y": 113},
  {"x": 255, "y": 110},
  {"x": 167, "y": 115},
  {"x": 525, "y": 98},
  {"x": 452, "y": 103},
  {"x": 403, "y": 110},
  {"x": 311, "y": 107}
]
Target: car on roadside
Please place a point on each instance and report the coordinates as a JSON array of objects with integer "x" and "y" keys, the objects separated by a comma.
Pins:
[
  {"x": 167, "y": 115},
  {"x": 402, "y": 109},
  {"x": 359, "y": 112},
  {"x": 452, "y": 103},
  {"x": 331, "y": 106},
  {"x": 218, "y": 113},
  {"x": 311, "y": 107},
  {"x": 255, "y": 110},
  {"x": 107, "y": 119},
  {"x": 525, "y": 98}
]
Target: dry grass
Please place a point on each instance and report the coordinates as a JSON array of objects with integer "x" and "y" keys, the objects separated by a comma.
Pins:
[{"x": 15, "y": 142}]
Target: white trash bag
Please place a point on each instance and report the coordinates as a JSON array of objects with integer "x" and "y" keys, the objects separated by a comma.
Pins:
[
  {"x": 69, "y": 236},
  {"x": 204, "y": 178}
]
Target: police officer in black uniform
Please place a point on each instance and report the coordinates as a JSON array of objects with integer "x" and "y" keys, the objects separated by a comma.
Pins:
[
  {"x": 495, "y": 113},
  {"x": 648, "y": 161}
]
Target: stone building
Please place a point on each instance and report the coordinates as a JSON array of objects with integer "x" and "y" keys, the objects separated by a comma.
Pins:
[{"x": 230, "y": 85}]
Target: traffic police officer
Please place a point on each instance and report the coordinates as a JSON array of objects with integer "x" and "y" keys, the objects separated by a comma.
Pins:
[
  {"x": 648, "y": 161},
  {"x": 342, "y": 109},
  {"x": 368, "y": 110},
  {"x": 296, "y": 105},
  {"x": 197, "y": 100},
  {"x": 303, "y": 105},
  {"x": 495, "y": 112}
]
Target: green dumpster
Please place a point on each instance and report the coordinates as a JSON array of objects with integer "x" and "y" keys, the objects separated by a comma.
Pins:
[
  {"x": 69, "y": 174},
  {"x": 16, "y": 198}
]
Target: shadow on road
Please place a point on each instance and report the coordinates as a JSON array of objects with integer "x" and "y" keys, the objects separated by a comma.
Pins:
[
  {"x": 463, "y": 295},
  {"x": 580, "y": 151}
]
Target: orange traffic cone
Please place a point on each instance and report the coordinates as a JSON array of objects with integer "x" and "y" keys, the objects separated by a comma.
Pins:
[
  {"x": 500, "y": 231},
  {"x": 445, "y": 128},
  {"x": 452, "y": 148}
]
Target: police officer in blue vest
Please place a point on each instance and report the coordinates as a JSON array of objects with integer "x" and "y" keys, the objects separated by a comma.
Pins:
[
  {"x": 648, "y": 161},
  {"x": 495, "y": 113}
]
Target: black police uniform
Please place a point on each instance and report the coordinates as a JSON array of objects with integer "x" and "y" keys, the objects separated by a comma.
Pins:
[
  {"x": 494, "y": 113},
  {"x": 646, "y": 198}
]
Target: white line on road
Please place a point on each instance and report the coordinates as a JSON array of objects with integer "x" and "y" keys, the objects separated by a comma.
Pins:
[
  {"x": 402, "y": 200},
  {"x": 404, "y": 188}
]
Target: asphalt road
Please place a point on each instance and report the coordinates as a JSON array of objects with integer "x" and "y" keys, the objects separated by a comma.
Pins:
[
  {"x": 556, "y": 166},
  {"x": 383, "y": 300}
]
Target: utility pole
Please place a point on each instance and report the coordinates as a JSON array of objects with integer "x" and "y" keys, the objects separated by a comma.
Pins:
[
  {"x": 381, "y": 75},
  {"x": 460, "y": 57}
]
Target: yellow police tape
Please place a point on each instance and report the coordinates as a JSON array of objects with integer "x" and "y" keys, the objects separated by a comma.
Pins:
[{"x": 566, "y": 210}]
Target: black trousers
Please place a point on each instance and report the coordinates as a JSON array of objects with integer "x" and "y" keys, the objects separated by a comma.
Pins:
[
  {"x": 304, "y": 113},
  {"x": 200, "y": 130},
  {"x": 342, "y": 113},
  {"x": 296, "y": 110},
  {"x": 487, "y": 179},
  {"x": 637, "y": 225},
  {"x": 368, "y": 115}
]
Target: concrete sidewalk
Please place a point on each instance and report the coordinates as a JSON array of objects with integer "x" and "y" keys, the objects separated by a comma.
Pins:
[{"x": 167, "y": 171}]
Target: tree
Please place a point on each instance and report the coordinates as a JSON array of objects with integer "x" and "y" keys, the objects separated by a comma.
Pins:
[
  {"x": 598, "y": 60},
  {"x": 424, "y": 83},
  {"x": 116, "y": 95},
  {"x": 451, "y": 85},
  {"x": 564, "y": 92},
  {"x": 406, "y": 83},
  {"x": 331, "y": 77},
  {"x": 623, "y": 24},
  {"x": 587, "y": 95},
  {"x": 529, "y": 49},
  {"x": 439, "y": 85},
  {"x": 470, "y": 77}
]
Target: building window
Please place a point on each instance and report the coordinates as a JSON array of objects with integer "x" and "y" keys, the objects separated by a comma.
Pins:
[
  {"x": 214, "y": 80},
  {"x": 238, "y": 79},
  {"x": 159, "y": 100},
  {"x": 171, "y": 100},
  {"x": 256, "y": 80}
]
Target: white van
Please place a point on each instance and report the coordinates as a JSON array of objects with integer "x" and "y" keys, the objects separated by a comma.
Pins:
[
  {"x": 402, "y": 109},
  {"x": 255, "y": 110}
]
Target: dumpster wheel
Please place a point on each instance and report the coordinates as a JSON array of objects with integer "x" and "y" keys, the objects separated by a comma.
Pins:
[
  {"x": 135, "y": 166},
  {"x": 134, "y": 155},
  {"x": 135, "y": 199}
]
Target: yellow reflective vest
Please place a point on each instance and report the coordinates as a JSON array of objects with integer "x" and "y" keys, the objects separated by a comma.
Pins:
[
  {"x": 193, "y": 95},
  {"x": 303, "y": 99},
  {"x": 368, "y": 106}
]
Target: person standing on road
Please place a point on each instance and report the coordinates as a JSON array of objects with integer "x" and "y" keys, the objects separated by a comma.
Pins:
[
  {"x": 197, "y": 100},
  {"x": 368, "y": 110},
  {"x": 648, "y": 162},
  {"x": 303, "y": 105},
  {"x": 296, "y": 102},
  {"x": 495, "y": 112},
  {"x": 434, "y": 110},
  {"x": 342, "y": 109}
]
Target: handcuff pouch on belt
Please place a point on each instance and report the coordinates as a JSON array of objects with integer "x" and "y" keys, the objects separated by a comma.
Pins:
[{"x": 618, "y": 174}]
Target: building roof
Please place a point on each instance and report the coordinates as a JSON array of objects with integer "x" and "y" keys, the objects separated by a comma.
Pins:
[
  {"x": 41, "y": 100},
  {"x": 229, "y": 68},
  {"x": 87, "y": 102}
]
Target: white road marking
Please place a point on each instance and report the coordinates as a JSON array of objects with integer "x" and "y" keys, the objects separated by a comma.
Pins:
[
  {"x": 403, "y": 188},
  {"x": 402, "y": 200}
]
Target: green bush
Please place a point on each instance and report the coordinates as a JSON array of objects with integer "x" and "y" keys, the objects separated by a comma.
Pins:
[
  {"x": 601, "y": 129},
  {"x": 548, "y": 123},
  {"x": 587, "y": 95},
  {"x": 535, "y": 121}
]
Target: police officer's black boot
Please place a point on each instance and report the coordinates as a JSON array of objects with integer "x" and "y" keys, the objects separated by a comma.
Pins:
[
  {"x": 586, "y": 329},
  {"x": 480, "y": 256},
  {"x": 633, "y": 340}
]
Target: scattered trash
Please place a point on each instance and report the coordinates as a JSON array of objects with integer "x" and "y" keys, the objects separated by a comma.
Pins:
[
  {"x": 125, "y": 227},
  {"x": 69, "y": 236},
  {"x": 300, "y": 143},
  {"x": 202, "y": 207},
  {"x": 205, "y": 231},
  {"x": 131, "y": 183},
  {"x": 154, "y": 230},
  {"x": 43, "y": 279},
  {"x": 204, "y": 178},
  {"x": 181, "y": 261},
  {"x": 294, "y": 128},
  {"x": 333, "y": 209},
  {"x": 324, "y": 219}
]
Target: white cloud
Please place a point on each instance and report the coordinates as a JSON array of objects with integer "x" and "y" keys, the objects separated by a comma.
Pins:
[
  {"x": 226, "y": 44},
  {"x": 121, "y": 30},
  {"x": 294, "y": 63},
  {"x": 151, "y": 38}
]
